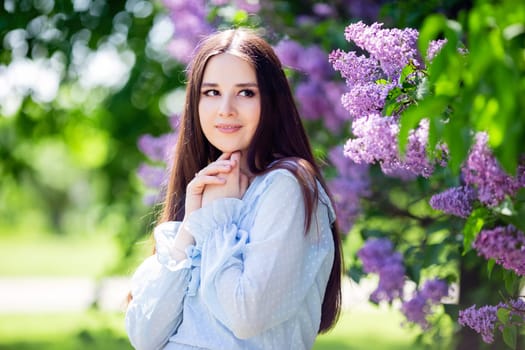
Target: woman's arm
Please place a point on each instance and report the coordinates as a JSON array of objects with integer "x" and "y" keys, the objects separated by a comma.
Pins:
[
  {"x": 158, "y": 290},
  {"x": 253, "y": 278}
]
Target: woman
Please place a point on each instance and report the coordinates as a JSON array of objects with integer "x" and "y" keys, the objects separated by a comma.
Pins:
[{"x": 247, "y": 252}]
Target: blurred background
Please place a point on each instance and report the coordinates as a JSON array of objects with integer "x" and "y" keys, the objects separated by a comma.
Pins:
[{"x": 90, "y": 91}]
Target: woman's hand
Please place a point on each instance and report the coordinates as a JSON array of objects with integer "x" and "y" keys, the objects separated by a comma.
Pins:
[
  {"x": 212, "y": 175},
  {"x": 234, "y": 185}
]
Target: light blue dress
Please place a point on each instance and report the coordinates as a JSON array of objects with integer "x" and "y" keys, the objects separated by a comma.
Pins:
[{"x": 253, "y": 279}]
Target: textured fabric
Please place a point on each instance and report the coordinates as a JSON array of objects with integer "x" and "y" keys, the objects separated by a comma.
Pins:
[{"x": 253, "y": 279}]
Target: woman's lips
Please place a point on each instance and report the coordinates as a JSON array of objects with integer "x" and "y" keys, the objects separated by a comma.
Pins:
[{"x": 228, "y": 128}]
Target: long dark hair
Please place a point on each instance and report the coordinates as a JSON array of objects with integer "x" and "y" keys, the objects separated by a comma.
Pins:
[{"x": 279, "y": 139}]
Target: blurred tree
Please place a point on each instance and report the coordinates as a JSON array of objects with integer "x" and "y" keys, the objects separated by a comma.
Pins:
[{"x": 80, "y": 81}]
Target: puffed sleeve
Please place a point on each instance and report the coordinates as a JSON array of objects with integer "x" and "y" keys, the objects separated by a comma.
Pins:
[
  {"x": 158, "y": 288},
  {"x": 253, "y": 278}
]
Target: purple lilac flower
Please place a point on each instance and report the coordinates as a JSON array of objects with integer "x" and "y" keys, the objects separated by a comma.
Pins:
[
  {"x": 365, "y": 9},
  {"x": 434, "y": 47},
  {"x": 159, "y": 150},
  {"x": 355, "y": 69},
  {"x": 379, "y": 257},
  {"x": 312, "y": 103},
  {"x": 393, "y": 48},
  {"x": 520, "y": 173},
  {"x": 156, "y": 148},
  {"x": 323, "y": 10},
  {"x": 484, "y": 320},
  {"x": 416, "y": 310},
  {"x": 376, "y": 141},
  {"x": 314, "y": 62},
  {"x": 189, "y": 20},
  {"x": 483, "y": 171},
  {"x": 415, "y": 159},
  {"x": 365, "y": 99},
  {"x": 391, "y": 280},
  {"x": 289, "y": 52},
  {"x": 152, "y": 176},
  {"x": 434, "y": 290},
  {"x": 419, "y": 307},
  {"x": 317, "y": 95},
  {"x": 351, "y": 184},
  {"x": 249, "y": 6},
  {"x": 375, "y": 253},
  {"x": 335, "y": 115},
  {"x": 455, "y": 201},
  {"x": 506, "y": 245},
  {"x": 481, "y": 320}
]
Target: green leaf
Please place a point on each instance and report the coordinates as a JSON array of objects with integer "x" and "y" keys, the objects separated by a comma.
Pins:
[
  {"x": 503, "y": 315},
  {"x": 474, "y": 224},
  {"x": 431, "y": 28},
  {"x": 510, "y": 336},
  {"x": 430, "y": 107},
  {"x": 490, "y": 266},
  {"x": 511, "y": 281},
  {"x": 355, "y": 273}
]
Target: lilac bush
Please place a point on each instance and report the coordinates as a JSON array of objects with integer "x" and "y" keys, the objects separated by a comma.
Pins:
[
  {"x": 370, "y": 81},
  {"x": 385, "y": 78}
]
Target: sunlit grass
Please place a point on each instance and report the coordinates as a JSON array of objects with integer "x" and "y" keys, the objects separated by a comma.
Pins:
[
  {"x": 46, "y": 255},
  {"x": 368, "y": 328},
  {"x": 63, "y": 331},
  {"x": 358, "y": 330}
]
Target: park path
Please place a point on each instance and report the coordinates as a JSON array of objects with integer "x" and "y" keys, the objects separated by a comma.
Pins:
[
  {"x": 61, "y": 294},
  {"x": 73, "y": 294}
]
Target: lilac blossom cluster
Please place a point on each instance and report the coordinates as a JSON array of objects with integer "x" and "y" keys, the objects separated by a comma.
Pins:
[
  {"x": 318, "y": 96},
  {"x": 485, "y": 181},
  {"x": 351, "y": 184},
  {"x": 190, "y": 21},
  {"x": 190, "y": 24},
  {"x": 457, "y": 201},
  {"x": 378, "y": 256},
  {"x": 369, "y": 80},
  {"x": 484, "y": 320},
  {"x": 376, "y": 142},
  {"x": 506, "y": 245},
  {"x": 419, "y": 307},
  {"x": 482, "y": 170},
  {"x": 159, "y": 150}
]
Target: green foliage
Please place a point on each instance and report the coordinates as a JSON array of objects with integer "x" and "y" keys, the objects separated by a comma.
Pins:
[
  {"x": 481, "y": 86},
  {"x": 71, "y": 161}
]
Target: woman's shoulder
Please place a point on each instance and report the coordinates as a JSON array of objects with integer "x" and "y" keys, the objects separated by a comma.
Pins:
[{"x": 295, "y": 179}]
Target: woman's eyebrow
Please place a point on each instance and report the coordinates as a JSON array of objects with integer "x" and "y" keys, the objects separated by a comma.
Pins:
[{"x": 207, "y": 84}]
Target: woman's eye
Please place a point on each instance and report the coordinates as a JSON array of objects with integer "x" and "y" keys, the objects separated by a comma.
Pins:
[
  {"x": 247, "y": 93},
  {"x": 210, "y": 92}
]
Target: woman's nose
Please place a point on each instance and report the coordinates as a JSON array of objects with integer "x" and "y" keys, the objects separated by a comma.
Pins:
[{"x": 227, "y": 106}]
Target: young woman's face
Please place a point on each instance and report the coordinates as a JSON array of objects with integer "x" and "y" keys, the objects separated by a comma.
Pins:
[{"x": 230, "y": 103}]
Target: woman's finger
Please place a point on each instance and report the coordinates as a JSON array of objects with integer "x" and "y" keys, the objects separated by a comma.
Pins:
[
  {"x": 216, "y": 168},
  {"x": 224, "y": 156}
]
